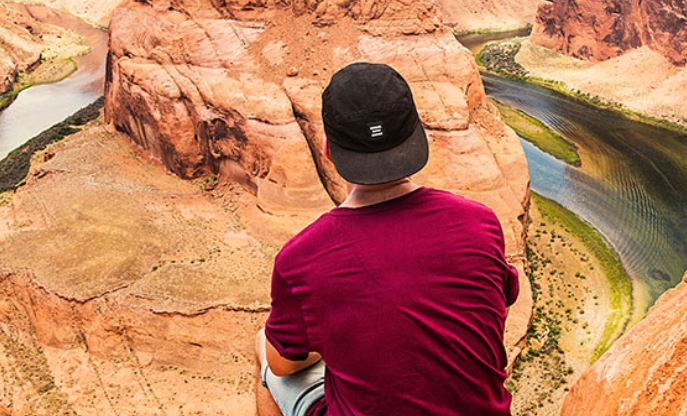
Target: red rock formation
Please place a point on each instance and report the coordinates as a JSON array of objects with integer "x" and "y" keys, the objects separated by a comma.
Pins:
[
  {"x": 644, "y": 372},
  {"x": 601, "y": 29}
]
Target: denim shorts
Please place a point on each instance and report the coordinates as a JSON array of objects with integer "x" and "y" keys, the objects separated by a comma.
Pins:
[{"x": 295, "y": 394}]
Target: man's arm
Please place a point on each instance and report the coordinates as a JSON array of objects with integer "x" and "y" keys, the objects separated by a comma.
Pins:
[{"x": 282, "y": 367}]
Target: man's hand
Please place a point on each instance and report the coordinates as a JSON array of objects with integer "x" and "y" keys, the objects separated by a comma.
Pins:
[{"x": 281, "y": 366}]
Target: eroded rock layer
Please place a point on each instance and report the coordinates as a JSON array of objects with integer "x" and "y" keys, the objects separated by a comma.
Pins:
[
  {"x": 644, "y": 373},
  {"x": 130, "y": 289},
  {"x": 601, "y": 29}
]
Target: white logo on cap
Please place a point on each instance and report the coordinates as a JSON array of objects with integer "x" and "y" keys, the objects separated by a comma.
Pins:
[{"x": 376, "y": 131}]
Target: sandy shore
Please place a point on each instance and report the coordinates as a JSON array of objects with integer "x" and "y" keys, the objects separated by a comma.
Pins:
[
  {"x": 640, "y": 80},
  {"x": 573, "y": 311}
]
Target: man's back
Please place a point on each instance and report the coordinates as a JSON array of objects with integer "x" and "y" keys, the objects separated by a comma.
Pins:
[{"x": 405, "y": 300}]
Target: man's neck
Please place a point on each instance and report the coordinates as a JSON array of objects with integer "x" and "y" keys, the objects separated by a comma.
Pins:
[{"x": 363, "y": 195}]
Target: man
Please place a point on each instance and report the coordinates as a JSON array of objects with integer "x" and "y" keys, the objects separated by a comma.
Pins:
[{"x": 394, "y": 302}]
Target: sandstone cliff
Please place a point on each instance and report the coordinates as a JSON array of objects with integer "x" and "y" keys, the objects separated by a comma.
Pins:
[
  {"x": 130, "y": 290},
  {"x": 644, "y": 373},
  {"x": 464, "y": 15},
  {"x": 601, "y": 29}
]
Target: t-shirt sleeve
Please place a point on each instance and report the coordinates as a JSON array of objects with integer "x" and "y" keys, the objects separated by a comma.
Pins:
[
  {"x": 285, "y": 327},
  {"x": 511, "y": 284}
]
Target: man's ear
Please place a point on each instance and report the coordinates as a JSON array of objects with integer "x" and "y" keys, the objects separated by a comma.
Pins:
[{"x": 326, "y": 148}]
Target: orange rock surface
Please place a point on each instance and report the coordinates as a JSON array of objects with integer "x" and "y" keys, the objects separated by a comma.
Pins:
[
  {"x": 644, "y": 372},
  {"x": 602, "y": 29},
  {"x": 136, "y": 259}
]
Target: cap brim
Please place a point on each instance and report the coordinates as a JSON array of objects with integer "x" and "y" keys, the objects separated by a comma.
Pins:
[{"x": 386, "y": 166}]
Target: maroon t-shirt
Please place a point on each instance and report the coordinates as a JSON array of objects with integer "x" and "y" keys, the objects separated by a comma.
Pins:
[{"x": 405, "y": 300}]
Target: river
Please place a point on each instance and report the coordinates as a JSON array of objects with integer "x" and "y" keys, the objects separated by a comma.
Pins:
[
  {"x": 632, "y": 185},
  {"x": 42, "y": 106}
]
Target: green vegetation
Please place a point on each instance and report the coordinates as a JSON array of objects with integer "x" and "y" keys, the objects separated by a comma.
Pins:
[
  {"x": 14, "y": 167},
  {"x": 539, "y": 134},
  {"x": 542, "y": 353},
  {"x": 499, "y": 58},
  {"x": 620, "y": 283},
  {"x": 7, "y": 98}
]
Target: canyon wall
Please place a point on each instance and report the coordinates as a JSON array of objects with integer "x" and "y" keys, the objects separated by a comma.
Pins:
[
  {"x": 129, "y": 290},
  {"x": 644, "y": 372},
  {"x": 602, "y": 29},
  {"x": 466, "y": 15}
]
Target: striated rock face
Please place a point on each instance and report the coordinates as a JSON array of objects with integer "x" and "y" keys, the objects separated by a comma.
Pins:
[
  {"x": 127, "y": 288},
  {"x": 488, "y": 14},
  {"x": 644, "y": 373},
  {"x": 601, "y": 29}
]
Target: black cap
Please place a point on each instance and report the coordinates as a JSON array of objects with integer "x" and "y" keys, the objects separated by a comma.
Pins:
[{"x": 373, "y": 130}]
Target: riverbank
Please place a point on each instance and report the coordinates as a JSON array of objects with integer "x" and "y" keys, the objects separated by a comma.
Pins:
[
  {"x": 47, "y": 72},
  {"x": 502, "y": 58},
  {"x": 487, "y": 15},
  {"x": 582, "y": 305},
  {"x": 537, "y": 133},
  {"x": 15, "y": 167},
  {"x": 39, "y": 46},
  {"x": 462, "y": 35},
  {"x": 70, "y": 76}
]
